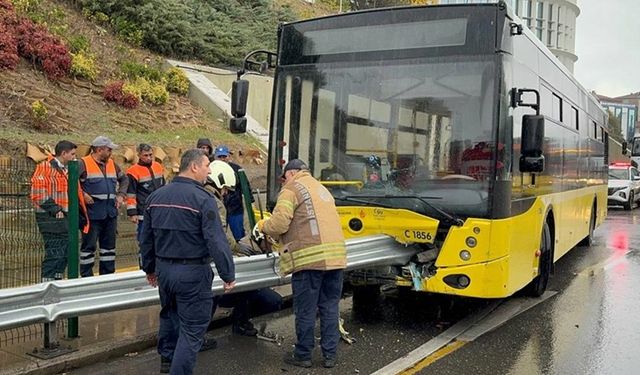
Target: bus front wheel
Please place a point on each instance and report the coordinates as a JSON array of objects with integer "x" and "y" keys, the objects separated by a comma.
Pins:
[{"x": 538, "y": 285}]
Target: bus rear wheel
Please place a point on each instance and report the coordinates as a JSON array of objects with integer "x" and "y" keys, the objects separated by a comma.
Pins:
[{"x": 538, "y": 286}]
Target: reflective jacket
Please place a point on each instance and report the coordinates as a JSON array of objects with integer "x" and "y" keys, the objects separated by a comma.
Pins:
[
  {"x": 143, "y": 180},
  {"x": 49, "y": 184},
  {"x": 101, "y": 186},
  {"x": 306, "y": 224}
]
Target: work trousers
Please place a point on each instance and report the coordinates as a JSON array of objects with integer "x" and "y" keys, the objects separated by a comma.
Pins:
[
  {"x": 102, "y": 232},
  {"x": 186, "y": 301},
  {"x": 55, "y": 235},
  {"x": 316, "y": 292},
  {"x": 246, "y": 305}
]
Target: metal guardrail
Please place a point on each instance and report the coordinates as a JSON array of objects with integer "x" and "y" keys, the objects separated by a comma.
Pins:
[{"x": 49, "y": 302}]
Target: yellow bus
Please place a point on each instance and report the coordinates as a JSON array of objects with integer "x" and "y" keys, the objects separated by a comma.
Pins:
[{"x": 450, "y": 128}]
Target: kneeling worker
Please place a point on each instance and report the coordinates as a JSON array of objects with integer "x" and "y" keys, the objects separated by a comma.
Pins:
[{"x": 245, "y": 304}]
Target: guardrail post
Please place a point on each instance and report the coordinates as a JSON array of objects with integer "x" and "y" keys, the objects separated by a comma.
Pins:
[
  {"x": 51, "y": 348},
  {"x": 73, "y": 262}
]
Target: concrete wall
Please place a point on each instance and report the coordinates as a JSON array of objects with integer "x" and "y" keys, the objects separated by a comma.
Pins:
[
  {"x": 211, "y": 89},
  {"x": 260, "y": 91}
]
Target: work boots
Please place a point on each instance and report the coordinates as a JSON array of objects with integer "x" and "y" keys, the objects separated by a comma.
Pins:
[
  {"x": 244, "y": 329},
  {"x": 165, "y": 365}
]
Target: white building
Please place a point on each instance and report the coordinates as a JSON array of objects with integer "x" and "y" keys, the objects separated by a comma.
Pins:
[{"x": 553, "y": 21}]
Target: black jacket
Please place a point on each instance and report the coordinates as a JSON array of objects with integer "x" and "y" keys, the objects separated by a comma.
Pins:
[{"x": 233, "y": 199}]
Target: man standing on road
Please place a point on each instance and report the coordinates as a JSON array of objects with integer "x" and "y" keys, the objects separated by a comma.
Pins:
[
  {"x": 233, "y": 200},
  {"x": 306, "y": 225},
  {"x": 104, "y": 185},
  {"x": 49, "y": 185},
  {"x": 181, "y": 236},
  {"x": 145, "y": 177}
]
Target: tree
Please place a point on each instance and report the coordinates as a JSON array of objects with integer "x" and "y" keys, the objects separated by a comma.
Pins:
[{"x": 615, "y": 128}]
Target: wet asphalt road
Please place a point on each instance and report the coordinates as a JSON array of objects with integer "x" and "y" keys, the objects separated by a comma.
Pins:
[{"x": 590, "y": 327}]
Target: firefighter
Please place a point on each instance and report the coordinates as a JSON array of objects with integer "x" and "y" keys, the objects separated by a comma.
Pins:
[
  {"x": 182, "y": 234},
  {"x": 306, "y": 226}
]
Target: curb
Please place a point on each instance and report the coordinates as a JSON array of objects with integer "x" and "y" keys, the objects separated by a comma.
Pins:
[{"x": 95, "y": 353}]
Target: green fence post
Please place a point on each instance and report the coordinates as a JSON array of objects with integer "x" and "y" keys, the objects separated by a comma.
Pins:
[
  {"x": 246, "y": 194},
  {"x": 73, "y": 254}
]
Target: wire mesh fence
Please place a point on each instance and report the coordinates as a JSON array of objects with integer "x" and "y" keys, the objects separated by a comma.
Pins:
[{"x": 22, "y": 246}]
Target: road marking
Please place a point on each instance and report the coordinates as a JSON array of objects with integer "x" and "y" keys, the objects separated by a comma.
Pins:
[
  {"x": 440, "y": 353},
  {"x": 466, "y": 330}
]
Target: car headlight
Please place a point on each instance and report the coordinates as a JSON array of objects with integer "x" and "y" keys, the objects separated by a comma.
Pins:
[{"x": 616, "y": 189}]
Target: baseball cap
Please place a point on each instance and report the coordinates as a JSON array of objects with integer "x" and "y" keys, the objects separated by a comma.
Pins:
[
  {"x": 101, "y": 141},
  {"x": 221, "y": 150},
  {"x": 294, "y": 164}
]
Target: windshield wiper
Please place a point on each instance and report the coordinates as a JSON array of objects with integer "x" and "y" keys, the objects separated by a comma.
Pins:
[
  {"x": 347, "y": 198},
  {"x": 451, "y": 218}
]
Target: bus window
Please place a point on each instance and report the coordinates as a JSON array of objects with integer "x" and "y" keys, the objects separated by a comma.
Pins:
[
  {"x": 593, "y": 132},
  {"x": 556, "y": 107},
  {"x": 574, "y": 118}
]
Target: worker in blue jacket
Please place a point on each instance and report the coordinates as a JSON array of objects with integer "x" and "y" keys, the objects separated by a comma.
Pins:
[{"x": 182, "y": 234}]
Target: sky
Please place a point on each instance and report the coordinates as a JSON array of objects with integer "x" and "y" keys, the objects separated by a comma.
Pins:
[{"x": 608, "y": 46}]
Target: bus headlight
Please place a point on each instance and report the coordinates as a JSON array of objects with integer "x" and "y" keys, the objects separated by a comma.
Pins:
[
  {"x": 471, "y": 241},
  {"x": 465, "y": 255}
]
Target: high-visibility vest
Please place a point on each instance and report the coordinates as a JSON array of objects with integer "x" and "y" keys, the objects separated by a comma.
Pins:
[
  {"x": 143, "y": 180},
  {"x": 101, "y": 187},
  {"x": 48, "y": 183}
]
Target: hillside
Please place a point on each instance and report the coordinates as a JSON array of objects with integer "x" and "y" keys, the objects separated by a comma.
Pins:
[{"x": 75, "y": 107}]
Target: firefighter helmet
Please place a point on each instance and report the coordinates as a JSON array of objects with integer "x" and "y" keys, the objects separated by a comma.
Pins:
[{"x": 222, "y": 175}]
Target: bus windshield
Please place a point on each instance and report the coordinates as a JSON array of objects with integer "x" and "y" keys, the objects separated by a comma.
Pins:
[{"x": 396, "y": 132}]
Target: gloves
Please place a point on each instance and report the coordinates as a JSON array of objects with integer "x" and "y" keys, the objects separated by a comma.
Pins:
[{"x": 257, "y": 230}]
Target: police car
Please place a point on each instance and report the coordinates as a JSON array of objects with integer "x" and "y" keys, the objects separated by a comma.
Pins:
[{"x": 624, "y": 185}]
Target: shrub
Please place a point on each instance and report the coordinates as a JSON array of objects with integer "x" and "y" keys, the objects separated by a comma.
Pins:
[
  {"x": 177, "y": 81},
  {"x": 134, "y": 70},
  {"x": 56, "y": 60},
  {"x": 115, "y": 92},
  {"x": 8, "y": 49},
  {"x": 83, "y": 65},
  {"x": 38, "y": 45},
  {"x": 79, "y": 43},
  {"x": 150, "y": 91},
  {"x": 39, "y": 111}
]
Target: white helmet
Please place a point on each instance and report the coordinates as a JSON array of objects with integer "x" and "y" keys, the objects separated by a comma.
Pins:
[{"x": 222, "y": 175}]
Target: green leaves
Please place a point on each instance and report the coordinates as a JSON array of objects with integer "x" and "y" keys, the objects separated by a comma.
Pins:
[{"x": 214, "y": 31}]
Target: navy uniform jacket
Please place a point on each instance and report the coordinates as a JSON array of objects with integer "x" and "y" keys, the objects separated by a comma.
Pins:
[{"x": 181, "y": 221}]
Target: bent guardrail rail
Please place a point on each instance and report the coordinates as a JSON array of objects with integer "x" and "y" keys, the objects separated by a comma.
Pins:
[{"x": 48, "y": 302}]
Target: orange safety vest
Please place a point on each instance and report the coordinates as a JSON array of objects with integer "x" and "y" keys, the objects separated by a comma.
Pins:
[
  {"x": 143, "y": 180},
  {"x": 47, "y": 183}
]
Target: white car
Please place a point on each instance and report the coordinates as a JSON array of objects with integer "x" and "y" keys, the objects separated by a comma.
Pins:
[{"x": 624, "y": 185}]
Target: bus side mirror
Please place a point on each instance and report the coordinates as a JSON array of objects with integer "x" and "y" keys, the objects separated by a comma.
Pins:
[
  {"x": 239, "y": 95},
  {"x": 624, "y": 147},
  {"x": 531, "y": 157}
]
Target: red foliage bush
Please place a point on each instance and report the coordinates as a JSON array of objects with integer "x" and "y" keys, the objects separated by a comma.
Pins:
[
  {"x": 56, "y": 60},
  {"x": 113, "y": 93},
  {"x": 21, "y": 36},
  {"x": 130, "y": 101},
  {"x": 8, "y": 49}
]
